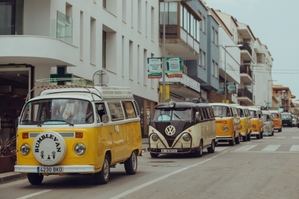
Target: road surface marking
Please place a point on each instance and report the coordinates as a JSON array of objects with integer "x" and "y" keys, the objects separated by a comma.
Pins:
[
  {"x": 245, "y": 148},
  {"x": 270, "y": 148},
  {"x": 294, "y": 148},
  {"x": 34, "y": 194},
  {"x": 137, "y": 188}
]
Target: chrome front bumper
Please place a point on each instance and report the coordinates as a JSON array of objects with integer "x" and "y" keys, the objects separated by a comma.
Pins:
[{"x": 66, "y": 169}]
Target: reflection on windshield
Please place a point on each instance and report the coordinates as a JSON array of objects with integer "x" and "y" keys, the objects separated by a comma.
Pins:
[
  {"x": 57, "y": 111},
  {"x": 167, "y": 115}
]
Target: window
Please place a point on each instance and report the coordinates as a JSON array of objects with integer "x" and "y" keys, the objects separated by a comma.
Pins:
[
  {"x": 81, "y": 35},
  {"x": 138, "y": 64},
  {"x": 105, "y": 4},
  {"x": 124, "y": 10},
  {"x": 101, "y": 110},
  {"x": 131, "y": 64},
  {"x": 109, "y": 50},
  {"x": 116, "y": 111},
  {"x": 153, "y": 23},
  {"x": 104, "y": 62},
  {"x": 129, "y": 109},
  {"x": 123, "y": 56},
  {"x": 92, "y": 41},
  {"x": 146, "y": 19},
  {"x": 139, "y": 18},
  {"x": 144, "y": 67}
]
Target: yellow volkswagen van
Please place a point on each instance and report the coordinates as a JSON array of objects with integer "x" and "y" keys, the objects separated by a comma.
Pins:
[
  {"x": 227, "y": 123},
  {"x": 182, "y": 127},
  {"x": 78, "y": 131},
  {"x": 244, "y": 123},
  {"x": 256, "y": 122},
  {"x": 277, "y": 122}
]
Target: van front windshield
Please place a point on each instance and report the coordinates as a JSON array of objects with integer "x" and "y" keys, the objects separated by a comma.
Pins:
[
  {"x": 57, "y": 111},
  {"x": 168, "y": 115}
]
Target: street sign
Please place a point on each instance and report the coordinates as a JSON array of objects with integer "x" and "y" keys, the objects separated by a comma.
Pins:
[
  {"x": 231, "y": 87},
  {"x": 174, "y": 67},
  {"x": 154, "y": 68}
]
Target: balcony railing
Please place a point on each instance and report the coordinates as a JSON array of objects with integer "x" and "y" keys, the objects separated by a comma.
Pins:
[
  {"x": 244, "y": 92},
  {"x": 245, "y": 69},
  {"x": 246, "y": 46},
  {"x": 171, "y": 31}
]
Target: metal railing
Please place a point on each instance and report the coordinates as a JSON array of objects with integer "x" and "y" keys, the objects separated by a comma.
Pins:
[
  {"x": 246, "y": 46},
  {"x": 246, "y": 69},
  {"x": 244, "y": 92}
]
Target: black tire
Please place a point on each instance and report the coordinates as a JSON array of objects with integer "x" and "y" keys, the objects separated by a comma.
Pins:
[
  {"x": 103, "y": 177},
  {"x": 131, "y": 164},
  {"x": 237, "y": 139},
  {"x": 279, "y": 130},
  {"x": 200, "y": 149},
  {"x": 211, "y": 149},
  {"x": 272, "y": 134},
  {"x": 248, "y": 137},
  {"x": 35, "y": 178},
  {"x": 258, "y": 136},
  {"x": 154, "y": 155},
  {"x": 262, "y": 135},
  {"x": 232, "y": 142},
  {"x": 244, "y": 138}
]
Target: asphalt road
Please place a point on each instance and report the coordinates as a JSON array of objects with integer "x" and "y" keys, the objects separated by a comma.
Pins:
[{"x": 260, "y": 169}]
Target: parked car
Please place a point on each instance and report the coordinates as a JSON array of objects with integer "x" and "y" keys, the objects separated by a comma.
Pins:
[
  {"x": 182, "y": 127},
  {"x": 268, "y": 123},
  {"x": 295, "y": 121},
  {"x": 287, "y": 119},
  {"x": 277, "y": 122}
]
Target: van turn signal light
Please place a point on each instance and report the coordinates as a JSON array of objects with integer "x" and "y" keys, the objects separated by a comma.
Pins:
[{"x": 79, "y": 135}]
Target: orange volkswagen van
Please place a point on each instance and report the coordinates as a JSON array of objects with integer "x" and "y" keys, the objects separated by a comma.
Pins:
[
  {"x": 277, "y": 122},
  {"x": 256, "y": 122},
  {"x": 227, "y": 123}
]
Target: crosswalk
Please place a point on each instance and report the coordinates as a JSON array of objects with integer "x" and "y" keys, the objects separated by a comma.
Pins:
[{"x": 270, "y": 148}]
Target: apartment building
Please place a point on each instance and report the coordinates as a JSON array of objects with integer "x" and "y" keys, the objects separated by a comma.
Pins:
[
  {"x": 69, "y": 38},
  {"x": 229, "y": 58},
  {"x": 262, "y": 72},
  {"x": 282, "y": 98}
]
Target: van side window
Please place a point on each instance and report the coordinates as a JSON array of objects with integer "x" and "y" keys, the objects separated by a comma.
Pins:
[
  {"x": 211, "y": 113},
  {"x": 204, "y": 114},
  {"x": 101, "y": 110},
  {"x": 229, "y": 112},
  {"x": 129, "y": 109},
  {"x": 116, "y": 111}
]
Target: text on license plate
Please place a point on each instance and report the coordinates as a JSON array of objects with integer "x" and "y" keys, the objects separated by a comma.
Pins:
[
  {"x": 169, "y": 150},
  {"x": 49, "y": 169}
]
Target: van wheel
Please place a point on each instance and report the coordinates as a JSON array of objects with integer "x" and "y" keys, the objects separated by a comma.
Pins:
[
  {"x": 103, "y": 176},
  {"x": 279, "y": 130},
  {"x": 232, "y": 142},
  {"x": 258, "y": 136},
  {"x": 154, "y": 155},
  {"x": 211, "y": 149},
  {"x": 244, "y": 138},
  {"x": 131, "y": 164},
  {"x": 35, "y": 178},
  {"x": 200, "y": 149},
  {"x": 248, "y": 137}
]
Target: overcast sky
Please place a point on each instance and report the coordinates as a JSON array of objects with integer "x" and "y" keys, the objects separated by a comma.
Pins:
[{"x": 276, "y": 23}]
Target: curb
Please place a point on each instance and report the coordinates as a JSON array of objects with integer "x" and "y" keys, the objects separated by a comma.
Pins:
[{"x": 11, "y": 176}]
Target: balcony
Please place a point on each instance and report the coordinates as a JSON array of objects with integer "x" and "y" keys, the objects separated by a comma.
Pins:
[
  {"x": 182, "y": 30},
  {"x": 246, "y": 51},
  {"x": 245, "y": 97},
  {"x": 36, "y": 50},
  {"x": 246, "y": 74}
]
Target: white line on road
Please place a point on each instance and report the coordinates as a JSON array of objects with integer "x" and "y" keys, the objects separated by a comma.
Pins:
[
  {"x": 271, "y": 148},
  {"x": 245, "y": 148},
  {"x": 34, "y": 194},
  {"x": 294, "y": 148},
  {"x": 122, "y": 195}
]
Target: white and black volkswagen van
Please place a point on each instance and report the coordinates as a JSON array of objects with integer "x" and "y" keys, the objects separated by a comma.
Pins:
[{"x": 182, "y": 127}]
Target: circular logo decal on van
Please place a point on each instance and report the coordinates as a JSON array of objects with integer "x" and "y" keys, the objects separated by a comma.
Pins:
[
  {"x": 170, "y": 130},
  {"x": 49, "y": 148}
]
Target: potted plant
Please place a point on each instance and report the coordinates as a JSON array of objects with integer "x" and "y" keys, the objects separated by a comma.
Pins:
[{"x": 7, "y": 154}]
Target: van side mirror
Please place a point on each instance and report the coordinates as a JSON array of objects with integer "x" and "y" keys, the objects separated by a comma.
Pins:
[{"x": 105, "y": 118}]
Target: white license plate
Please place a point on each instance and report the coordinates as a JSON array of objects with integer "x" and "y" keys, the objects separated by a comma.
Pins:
[
  {"x": 169, "y": 150},
  {"x": 45, "y": 169}
]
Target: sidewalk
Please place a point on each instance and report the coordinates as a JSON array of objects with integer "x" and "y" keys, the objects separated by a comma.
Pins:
[
  {"x": 144, "y": 144},
  {"x": 10, "y": 176}
]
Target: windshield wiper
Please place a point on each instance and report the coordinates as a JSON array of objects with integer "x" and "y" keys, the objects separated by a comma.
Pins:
[{"x": 67, "y": 122}]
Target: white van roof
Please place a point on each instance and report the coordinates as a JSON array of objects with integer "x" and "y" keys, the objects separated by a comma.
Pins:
[{"x": 87, "y": 93}]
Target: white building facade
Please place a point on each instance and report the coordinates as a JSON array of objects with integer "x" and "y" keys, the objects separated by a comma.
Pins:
[{"x": 79, "y": 38}]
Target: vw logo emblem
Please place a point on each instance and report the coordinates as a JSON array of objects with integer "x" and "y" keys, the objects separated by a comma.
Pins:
[{"x": 170, "y": 130}]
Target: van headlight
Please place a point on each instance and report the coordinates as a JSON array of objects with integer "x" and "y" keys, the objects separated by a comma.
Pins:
[
  {"x": 155, "y": 137},
  {"x": 186, "y": 137},
  {"x": 25, "y": 149},
  {"x": 80, "y": 149}
]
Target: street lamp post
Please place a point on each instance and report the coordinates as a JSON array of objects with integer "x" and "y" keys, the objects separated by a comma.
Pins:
[{"x": 225, "y": 75}]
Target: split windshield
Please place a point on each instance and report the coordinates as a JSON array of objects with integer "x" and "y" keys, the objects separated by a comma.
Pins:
[
  {"x": 167, "y": 115},
  {"x": 221, "y": 111},
  {"x": 57, "y": 111}
]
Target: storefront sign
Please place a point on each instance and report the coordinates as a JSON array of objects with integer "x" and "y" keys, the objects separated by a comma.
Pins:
[
  {"x": 154, "y": 68},
  {"x": 174, "y": 67}
]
